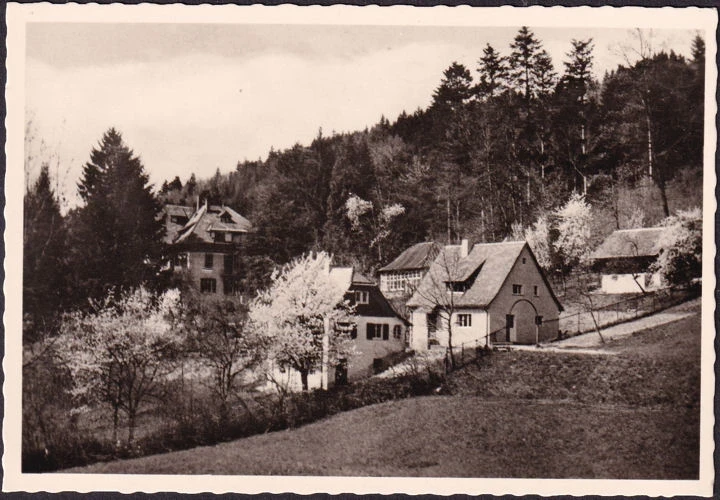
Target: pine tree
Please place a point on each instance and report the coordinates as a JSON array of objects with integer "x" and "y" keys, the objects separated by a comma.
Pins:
[
  {"x": 117, "y": 234},
  {"x": 575, "y": 110},
  {"x": 525, "y": 48},
  {"x": 455, "y": 88},
  {"x": 44, "y": 266},
  {"x": 175, "y": 185},
  {"x": 544, "y": 74},
  {"x": 493, "y": 72}
]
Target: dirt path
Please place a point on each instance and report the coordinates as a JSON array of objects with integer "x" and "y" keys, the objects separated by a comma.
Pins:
[{"x": 592, "y": 340}]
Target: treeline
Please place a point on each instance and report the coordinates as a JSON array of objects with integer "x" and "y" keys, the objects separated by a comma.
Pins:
[
  {"x": 499, "y": 149},
  {"x": 501, "y": 146}
]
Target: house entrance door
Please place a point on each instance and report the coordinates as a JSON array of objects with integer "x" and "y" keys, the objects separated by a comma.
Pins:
[{"x": 509, "y": 327}]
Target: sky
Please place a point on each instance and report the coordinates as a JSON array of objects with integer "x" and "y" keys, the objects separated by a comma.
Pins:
[{"x": 192, "y": 98}]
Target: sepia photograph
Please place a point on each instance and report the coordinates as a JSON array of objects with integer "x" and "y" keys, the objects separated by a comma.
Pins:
[{"x": 360, "y": 249}]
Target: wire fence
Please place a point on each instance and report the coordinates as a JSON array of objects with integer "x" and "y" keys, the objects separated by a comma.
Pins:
[
  {"x": 595, "y": 318},
  {"x": 575, "y": 324}
]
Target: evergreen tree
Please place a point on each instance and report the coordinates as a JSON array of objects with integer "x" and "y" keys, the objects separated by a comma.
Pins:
[
  {"x": 575, "y": 112},
  {"x": 175, "y": 185},
  {"x": 117, "y": 234},
  {"x": 493, "y": 72},
  {"x": 544, "y": 74},
  {"x": 455, "y": 88},
  {"x": 44, "y": 266},
  {"x": 525, "y": 49}
]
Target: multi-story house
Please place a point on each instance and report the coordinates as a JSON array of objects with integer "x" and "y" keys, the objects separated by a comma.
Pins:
[
  {"x": 402, "y": 275},
  {"x": 206, "y": 246}
]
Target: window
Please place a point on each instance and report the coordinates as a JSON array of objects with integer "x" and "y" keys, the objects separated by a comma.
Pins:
[
  {"x": 464, "y": 320},
  {"x": 350, "y": 328},
  {"x": 208, "y": 261},
  {"x": 378, "y": 331},
  {"x": 523, "y": 260},
  {"x": 457, "y": 286},
  {"x": 208, "y": 285},
  {"x": 362, "y": 297},
  {"x": 535, "y": 290},
  {"x": 397, "y": 332},
  {"x": 517, "y": 289}
]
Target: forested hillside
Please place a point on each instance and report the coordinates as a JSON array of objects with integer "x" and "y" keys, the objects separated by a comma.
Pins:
[{"x": 500, "y": 145}]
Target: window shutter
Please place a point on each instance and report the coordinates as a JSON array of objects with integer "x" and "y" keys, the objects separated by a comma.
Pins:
[
  {"x": 370, "y": 331},
  {"x": 386, "y": 331}
]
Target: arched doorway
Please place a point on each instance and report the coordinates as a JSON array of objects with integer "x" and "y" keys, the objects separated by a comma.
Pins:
[{"x": 520, "y": 323}]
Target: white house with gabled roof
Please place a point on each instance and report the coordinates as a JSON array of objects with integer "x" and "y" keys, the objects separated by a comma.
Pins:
[{"x": 491, "y": 293}]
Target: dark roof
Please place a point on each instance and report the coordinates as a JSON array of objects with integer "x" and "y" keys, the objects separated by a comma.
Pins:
[
  {"x": 625, "y": 243},
  {"x": 180, "y": 210},
  {"x": 172, "y": 228},
  {"x": 348, "y": 279},
  {"x": 418, "y": 256},
  {"x": 361, "y": 279},
  {"x": 493, "y": 263},
  {"x": 207, "y": 220}
]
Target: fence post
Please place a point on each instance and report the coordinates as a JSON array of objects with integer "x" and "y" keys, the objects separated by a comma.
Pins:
[{"x": 578, "y": 324}]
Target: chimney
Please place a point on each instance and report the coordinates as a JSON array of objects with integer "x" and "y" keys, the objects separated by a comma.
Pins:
[{"x": 464, "y": 248}]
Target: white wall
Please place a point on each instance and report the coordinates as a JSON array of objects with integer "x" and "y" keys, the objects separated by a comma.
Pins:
[
  {"x": 624, "y": 283},
  {"x": 360, "y": 364},
  {"x": 460, "y": 334},
  {"x": 419, "y": 330}
]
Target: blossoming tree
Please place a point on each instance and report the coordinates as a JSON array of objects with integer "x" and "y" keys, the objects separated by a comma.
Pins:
[
  {"x": 301, "y": 312},
  {"x": 119, "y": 354}
]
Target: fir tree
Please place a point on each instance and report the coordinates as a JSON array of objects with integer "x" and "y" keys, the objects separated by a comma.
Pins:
[
  {"x": 493, "y": 72},
  {"x": 117, "y": 234},
  {"x": 44, "y": 266}
]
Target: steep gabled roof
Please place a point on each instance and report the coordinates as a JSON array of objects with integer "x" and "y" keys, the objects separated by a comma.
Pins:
[
  {"x": 625, "y": 243},
  {"x": 172, "y": 228},
  {"x": 418, "y": 256},
  {"x": 208, "y": 220},
  {"x": 494, "y": 262},
  {"x": 346, "y": 278},
  {"x": 178, "y": 210}
]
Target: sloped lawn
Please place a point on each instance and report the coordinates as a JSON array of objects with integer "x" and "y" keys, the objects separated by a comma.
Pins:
[{"x": 632, "y": 415}]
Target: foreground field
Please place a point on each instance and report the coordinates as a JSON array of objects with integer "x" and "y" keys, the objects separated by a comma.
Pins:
[{"x": 633, "y": 414}]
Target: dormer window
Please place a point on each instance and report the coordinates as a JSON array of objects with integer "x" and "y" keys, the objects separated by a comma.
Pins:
[
  {"x": 457, "y": 286},
  {"x": 362, "y": 297},
  {"x": 226, "y": 218}
]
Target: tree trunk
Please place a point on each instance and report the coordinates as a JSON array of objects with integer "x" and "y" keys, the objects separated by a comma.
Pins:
[
  {"x": 131, "y": 426},
  {"x": 449, "y": 241},
  {"x": 304, "y": 379},
  {"x": 116, "y": 420},
  {"x": 663, "y": 193}
]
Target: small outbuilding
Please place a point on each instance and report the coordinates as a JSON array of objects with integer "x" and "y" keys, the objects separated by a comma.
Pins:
[{"x": 625, "y": 258}]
